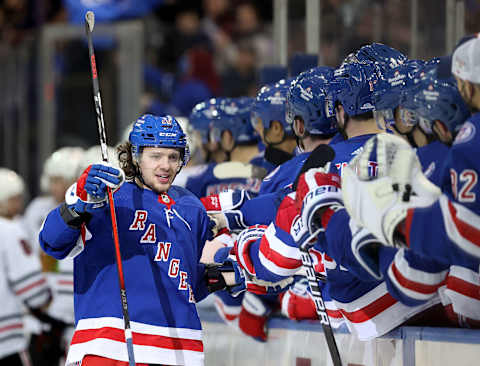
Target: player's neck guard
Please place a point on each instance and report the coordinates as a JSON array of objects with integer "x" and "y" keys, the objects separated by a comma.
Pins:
[{"x": 276, "y": 156}]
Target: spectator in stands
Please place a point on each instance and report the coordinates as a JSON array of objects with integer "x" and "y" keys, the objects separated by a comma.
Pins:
[
  {"x": 240, "y": 78},
  {"x": 248, "y": 28},
  {"x": 199, "y": 80},
  {"x": 186, "y": 34}
]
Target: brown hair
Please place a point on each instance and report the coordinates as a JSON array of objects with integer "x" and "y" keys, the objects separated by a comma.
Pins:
[{"x": 126, "y": 162}]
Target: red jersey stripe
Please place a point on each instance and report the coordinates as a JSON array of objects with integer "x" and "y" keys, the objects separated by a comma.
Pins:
[
  {"x": 412, "y": 285},
  {"x": 463, "y": 287},
  {"x": 371, "y": 310},
  {"x": 32, "y": 285},
  {"x": 115, "y": 334},
  {"x": 277, "y": 258},
  {"x": 467, "y": 231}
]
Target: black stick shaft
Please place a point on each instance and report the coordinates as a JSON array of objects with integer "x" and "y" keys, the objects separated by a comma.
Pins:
[
  {"x": 89, "y": 24},
  {"x": 319, "y": 303}
]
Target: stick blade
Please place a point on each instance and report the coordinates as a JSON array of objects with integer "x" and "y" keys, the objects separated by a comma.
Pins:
[{"x": 90, "y": 19}]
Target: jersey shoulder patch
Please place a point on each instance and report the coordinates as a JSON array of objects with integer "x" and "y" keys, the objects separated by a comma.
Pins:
[
  {"x": 271, "y": 174},
  {"x": 466, "y": 133}
]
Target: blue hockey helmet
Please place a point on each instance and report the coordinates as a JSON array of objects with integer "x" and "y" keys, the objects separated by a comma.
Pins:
[
  {"x": 237, "y": 111},
  {"x": 306, "y": 99},
  {"x": 203, "y": 115},
  {"x": 158, "y": 131},
  {"x": 387, "y": 90},
  {"x": 269, "y": 105},
  {"x": 434, "y": 99},
  {"x": 381, "y": 53},
  {"x": 352, "y": 86}
]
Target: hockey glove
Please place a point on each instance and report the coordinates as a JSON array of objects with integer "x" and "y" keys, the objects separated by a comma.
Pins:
[
  {"x": 89, "y": 193},
  {"x": 297, "y": 303},
  {"x": 242, "y": 251},
  {"x": 380, "y": 203},
  {"x": 228, "y": 200},
  {"x": 321, "y": 196},
  {"x": 253, "y": 317},
  {"x": 227, "y": 276},
  {"x": 244, "y": 240}
]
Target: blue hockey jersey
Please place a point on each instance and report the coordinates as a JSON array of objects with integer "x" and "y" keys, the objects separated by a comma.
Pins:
[
  {"x": 373, "y": 307},
  {"x": 455, "y": 217},
  {"x": 366, "y": 306},
  {"x": 432, "y": 158},
  {"x": 456, "y": 214},
  {"x": 208, "y": 181},
  {"x": 161, "y": 241},
  {"x": 283, "y": 175}
]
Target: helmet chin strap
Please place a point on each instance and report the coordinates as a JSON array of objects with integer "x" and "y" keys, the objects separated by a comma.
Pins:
[{"x": 343, "y": 129}]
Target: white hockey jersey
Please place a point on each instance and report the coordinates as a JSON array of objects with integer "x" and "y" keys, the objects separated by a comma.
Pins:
[{"x": 21, "y": 281}]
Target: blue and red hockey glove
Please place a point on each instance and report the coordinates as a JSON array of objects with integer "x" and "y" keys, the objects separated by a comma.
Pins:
[{"x": 89, "y": 193}]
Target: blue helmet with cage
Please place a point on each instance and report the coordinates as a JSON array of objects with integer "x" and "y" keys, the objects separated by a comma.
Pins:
[
  {"x": 381, "y": 53},
  {"x": 236, "y": 112},
  {"x": 352, "y": 86},
  {"x": 306, "y": 99},
  {"x": 269, "y": 105},
  {"x": 434, "y": 99},
  {"x": 158, "y": 131}
]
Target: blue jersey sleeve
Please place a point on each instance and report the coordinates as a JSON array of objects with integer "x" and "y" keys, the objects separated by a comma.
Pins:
[
  {"x": 56, "y": 238},
  {"x": 262, "y": 209},
  {"x": 448, "y": 230},
  {"x": 275, "y": 256},
  {"x": 411, "y": 278},
  {"x": 338, "y": 239}
]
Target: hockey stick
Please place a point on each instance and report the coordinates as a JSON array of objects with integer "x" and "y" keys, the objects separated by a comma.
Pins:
[
  {"x": 89, "y": 24},
  {"x": 318, "y": 300}
]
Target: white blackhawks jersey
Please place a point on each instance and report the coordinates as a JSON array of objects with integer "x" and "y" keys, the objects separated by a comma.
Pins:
[
  {"x": 21, "y": 282},
  {"x": 61, "y": 280},
  {"x": 35, "y": 214}
]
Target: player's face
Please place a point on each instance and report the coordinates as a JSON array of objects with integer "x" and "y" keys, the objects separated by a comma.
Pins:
[
  {"x": 159, "y": 166},
  {"x": 57, "y": 187},
  {"x": 275, "y": 134},
  {"x": 227, "y": 142},
  {"x": 15, "y": 206},
  {"x": 466, "y": 90}
]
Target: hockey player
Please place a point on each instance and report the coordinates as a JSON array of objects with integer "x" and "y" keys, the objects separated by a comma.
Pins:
[
  {"x": 162, "y": 230},
  {"x": 229, "y": 133},
  {"x": 274, "y": 255},
  {"x": 437, "y": 104},
  {"x": 408, "y": 279},
  {"x": 457, "y": 204},
  {"x": 395, "y": 101},
  {"x": 305, "y": 113},
  {"x": 268, "y": 119},
  {"x": 59, "y": 172},
  {"x": 12, "y": 194},
  {"x": 22, "y": 284},
  {"x": 313, "y": 129}
]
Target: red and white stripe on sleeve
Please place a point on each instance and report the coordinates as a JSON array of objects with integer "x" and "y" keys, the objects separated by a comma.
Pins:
[
  {"x": 278, "y": 252},
  {"x": 414, "y": 281},
  {"x": 462, "y": 226}
]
